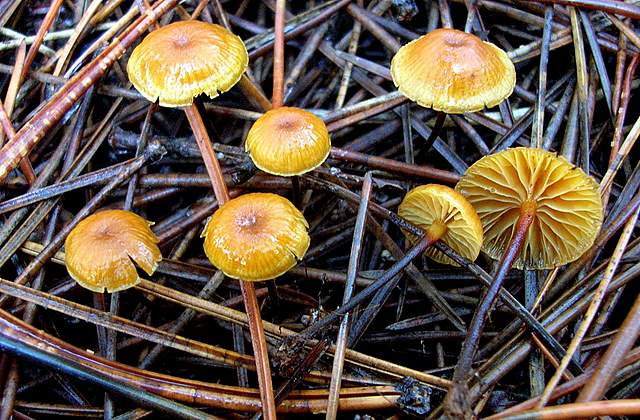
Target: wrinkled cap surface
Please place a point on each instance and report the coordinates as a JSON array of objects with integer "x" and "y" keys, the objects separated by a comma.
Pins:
[
  {"x": 101, "y": 250},
  {"x": 288, "y": 141},
  {"x": 184, "y": 59},
  {"x": 568, "y": 206},
  {"x": 453, "y": 71},
  {"x": 432, "y": 204},
  {"x": 255, "y": 237}
]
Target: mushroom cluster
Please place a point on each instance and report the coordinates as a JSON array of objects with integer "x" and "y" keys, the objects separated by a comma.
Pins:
[{"x": 526, "y": 207}]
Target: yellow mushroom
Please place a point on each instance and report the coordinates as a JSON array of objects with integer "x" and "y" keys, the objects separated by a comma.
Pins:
[
  {"x": 288, "y": 141},
  {"x": 101, "y": 249},
  {"x": 453, "y": 72},
  {"x": 445, "y": 215},
  {"x": 185, "y": 59},
  {"x": 255, "y": 237},
  {"x": 564, "y": 201}
]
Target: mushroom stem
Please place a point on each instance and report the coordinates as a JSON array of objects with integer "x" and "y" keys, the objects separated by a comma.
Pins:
[
  {"x": 278, "y": 55},
  {"x": 258, "y": 338},
  {"x": 437, "y": 129},
  {"x": 208, "y": 155},
  {"x": 436, "y": 231},
  {"x": 456, "y": 402},
  {"x": 297, "y": 195},
  {"x": 259, "y": 342}
]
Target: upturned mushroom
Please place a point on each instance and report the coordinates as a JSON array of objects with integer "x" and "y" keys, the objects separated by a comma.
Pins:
[
  {"x": 101, "y": 251},
  {"x": 444, "y": 214},
  {"x": 452, "y": 72},
  {"x": 538, "y": 211}
]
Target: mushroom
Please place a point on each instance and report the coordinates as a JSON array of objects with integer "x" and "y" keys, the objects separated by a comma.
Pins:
[
  {"x": 288, "y": 141},
  {"x": 101, "y": 251},
  {"x": 452, "y": 72},
  {"x": 256, "y": 237},
  {"x": 445, "y": 215},
  {"x": 538, "y": 211},
  {"x": 563, "y": 203},
  {"x": 182, "y": 60}
]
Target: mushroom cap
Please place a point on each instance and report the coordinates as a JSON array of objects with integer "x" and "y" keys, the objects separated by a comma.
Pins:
[
  {"x": 184, "y": 59},
  {"x": 255, "y": 237},
  {"x": 453, "y": 71},
  {"x": 101, "y": 249},
  {"x": 431, "y": 204},
  {"x": 568, "y": 205},
  {"x": 288, "y": 141}
]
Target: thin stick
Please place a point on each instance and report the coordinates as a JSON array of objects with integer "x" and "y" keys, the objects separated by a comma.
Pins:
[
  {"x": 612, "y": 360},
  {"x": 352, "y": 271},
  {"x": 278, "y": 55},
  {"x": 583, "y": 410},
  {"x": 79, "y": 371},
  {"x": 593, "y": 307},
  {"x": 7, "y": 126},
  {"x": 538, "y": 120},
  {"x": 437, "y": 128},
  {"x": 42, "y": 31}
]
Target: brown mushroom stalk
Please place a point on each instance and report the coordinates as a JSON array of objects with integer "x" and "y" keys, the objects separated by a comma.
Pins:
[
  {"x": 257, "y": 237},
  {"x": 456, "y": 400},
  {"x": 208, "y": 155}
]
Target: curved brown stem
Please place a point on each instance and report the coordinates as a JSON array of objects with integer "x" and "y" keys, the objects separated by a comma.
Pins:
[
  {"x": 456, "y": 402},
  {"x": 258, "y": 339}
]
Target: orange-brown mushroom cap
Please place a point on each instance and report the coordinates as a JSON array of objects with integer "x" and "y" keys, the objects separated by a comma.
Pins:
[
  {"x": 568, "y": 207},
  {"x": 100, "y": 249},
  {"x": 444, "y": 212},
  {"x": 255, "y": 237},
  {"x": 288, "y": 141},
  {"x": 453, "y": 71},
  {"x": 184, "y": 59}
]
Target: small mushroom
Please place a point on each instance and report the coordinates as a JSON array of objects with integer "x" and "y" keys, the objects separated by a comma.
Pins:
[
  {"x": 101, "y": 251},
  {"x": 445, "y": 215},
  {"x": 563, "y": 201},
  {"x": 452, "y": 72},
  {"x": 288, "y": 141},
  {"x": 182, "y": 60},
  {"x": 538, "y": 211},
  {"x": 255, "y": 237}
]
